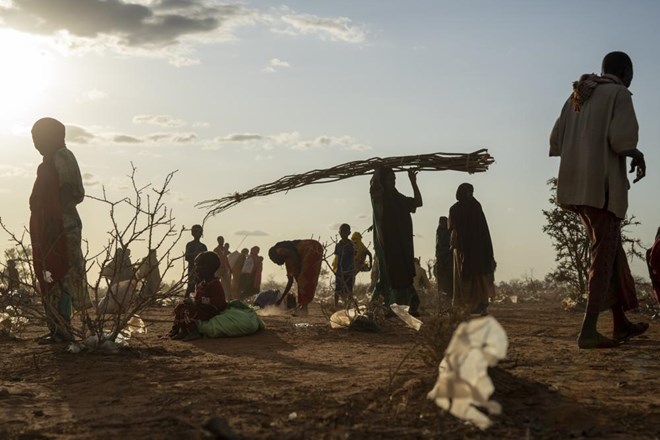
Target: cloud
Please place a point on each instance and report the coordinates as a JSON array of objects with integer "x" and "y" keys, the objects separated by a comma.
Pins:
[
  {"x": 160, "y": 120},
  {"x": 13, "y": 171},
  {"x": 256, "y": 233},
  {"x": 325, "y": 28},
  {"x": 166, "y": 29},
  {"x": 275, "y": 64},
  {"x": 126, "y": 139},
  {"x": 90, "y": 179},
  {"x": 290, "y": 140},
  {"x": 78, "y": 135},
  {"x": 177, "y": 138},
  {"x": 92, "y": 95}
]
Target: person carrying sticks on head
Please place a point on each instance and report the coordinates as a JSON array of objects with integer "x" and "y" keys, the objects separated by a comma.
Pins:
[
  {"x": 595, "y": 132},
  {"x": 55, "y": 229},
  {"x": 302, "y": 259},
  {"x": 393, "y": 239}
]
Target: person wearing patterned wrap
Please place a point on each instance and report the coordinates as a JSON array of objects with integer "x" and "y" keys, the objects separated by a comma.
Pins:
[
  {"x": 596, "y": 130},
  {"x": 55, "y": 229}
]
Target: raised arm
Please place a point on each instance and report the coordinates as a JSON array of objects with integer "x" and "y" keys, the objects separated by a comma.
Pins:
[{"x": 417, "y": 195}]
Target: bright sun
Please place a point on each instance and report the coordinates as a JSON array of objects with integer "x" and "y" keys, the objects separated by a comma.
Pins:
[{"x": 25, "y": 74}]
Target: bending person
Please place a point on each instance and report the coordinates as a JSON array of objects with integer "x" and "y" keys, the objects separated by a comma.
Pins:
[{"x": 302, "y": 259}]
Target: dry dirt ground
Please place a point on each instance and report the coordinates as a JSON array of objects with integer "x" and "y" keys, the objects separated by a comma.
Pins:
[{"x": 340, "y": 385}]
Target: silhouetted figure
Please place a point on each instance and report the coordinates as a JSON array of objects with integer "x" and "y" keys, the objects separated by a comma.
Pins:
[
  {"x": 393, "y": 238},
  {"x": 208, "y": 302},
  {"x": 251, "y": 273},
  {"x": 474, "y": 265},
  {"x": 193, "y": 248},
  {"x": 224, "y": 272},
  {"x": 302, "y": 259},
  {"x": 653, "y": 261},
  {"x": 55, "y": 229},
  {"x": 362, "y": 254},
  {"x": 236, "y": 269},
  {"x": 596, "y": 131},
  {"x": 344, "y": 265},
  {"x": 444, "y": 264}
]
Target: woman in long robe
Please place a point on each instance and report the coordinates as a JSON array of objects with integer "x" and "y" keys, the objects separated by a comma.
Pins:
[{"x": 474, "y": 264}]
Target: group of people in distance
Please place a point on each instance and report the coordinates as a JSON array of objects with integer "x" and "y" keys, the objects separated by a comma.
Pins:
[
  {"x": 239, "y": 272},
  {"x": 593, "y": 137}
]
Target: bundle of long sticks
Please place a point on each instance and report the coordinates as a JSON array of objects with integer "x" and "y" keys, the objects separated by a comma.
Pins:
[{"x": 476, "y": 162}]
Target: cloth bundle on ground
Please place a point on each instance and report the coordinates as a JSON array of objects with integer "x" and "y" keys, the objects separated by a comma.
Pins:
[{"x": 238, "y": 319}]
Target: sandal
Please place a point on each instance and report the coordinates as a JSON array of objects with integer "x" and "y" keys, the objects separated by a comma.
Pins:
[{"x": 631, "y": 331}]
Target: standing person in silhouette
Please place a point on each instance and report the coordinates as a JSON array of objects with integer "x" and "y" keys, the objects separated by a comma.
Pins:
[
  {"x": 56, "y": 228},
  {"x": 193, "y": 248},
  {"x": 474, "y": 265},
  {"x": 224, "y": 272},
  {"x": 595, "y": 133},
  {"x": 393, "y": 239},
  {"x": 344, "y": 265},
  {"x": 443, "y": 259}
]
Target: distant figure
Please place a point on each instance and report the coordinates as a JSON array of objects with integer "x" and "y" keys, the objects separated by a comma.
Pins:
[
  {"x": 55, "y": 229},
  {"x": 251, "y": 273},
  {"x": 421, "y": 280},
  {"x": 193, "y": 248},
  {"x": 653, "y": 261},
  {"x": 596, "y": 131},
  {"x": 120, "y": 268},
  {"x": 149, "y": 273},
  {"x": 444, "y": 265},
  {"x": 302, "y": 259},
  {"x": 393, "y": 239},
  {"x": 13, "y": 277},
  {"x": 209, "y": 299},
  {"x": 474, "y": 265},
  {"x": 362, "y": 254},
  {"x": 224, "y": 272},
  {"x": 236, "y": 269},
  {"x": 344, "y": 266}
]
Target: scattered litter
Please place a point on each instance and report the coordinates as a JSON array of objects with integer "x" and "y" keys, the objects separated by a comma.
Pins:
[
  {"x": 11, "y": 322},
  {"x": 463, "y": 387},
  {"x": 293, "y": 416},
  {"x": 302, "y": 325},
  {"x": 96, "y": 343},
  {"x": 514, "y": 299},
  {"x": 343, "y": 318},
  {"x": 569, "y": 304},
  {"x": 402, "y": 312}
]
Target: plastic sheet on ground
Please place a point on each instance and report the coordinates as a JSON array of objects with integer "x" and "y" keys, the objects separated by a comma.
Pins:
[
  {"x": 343, "y": 318},
  {"x": 238, "y": 319},
  {"x": 104, "y": 344},
  {"x": 402, "y": 312},
  {"x": 463, "y": 383}
]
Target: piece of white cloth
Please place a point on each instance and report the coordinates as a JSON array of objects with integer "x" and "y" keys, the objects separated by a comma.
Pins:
[{"x": 463, "y": 383}]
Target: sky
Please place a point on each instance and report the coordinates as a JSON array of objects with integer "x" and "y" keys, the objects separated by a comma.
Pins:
[{"x": 236, "y": 94}]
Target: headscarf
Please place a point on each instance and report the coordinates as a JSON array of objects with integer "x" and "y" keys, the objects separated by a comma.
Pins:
[{"x": 585, "y": 86}]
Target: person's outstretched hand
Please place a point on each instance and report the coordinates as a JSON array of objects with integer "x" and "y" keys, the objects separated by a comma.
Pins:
[
  {"x": 412, "y": 175},
  {"x": 638, "y": 166}
]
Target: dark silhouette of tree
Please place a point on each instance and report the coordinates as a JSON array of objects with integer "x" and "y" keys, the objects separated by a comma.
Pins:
[{"x": 572, "y": 246}]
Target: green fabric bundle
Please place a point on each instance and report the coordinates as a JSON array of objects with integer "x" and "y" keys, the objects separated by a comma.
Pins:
[{"x": 238, "y": 319}]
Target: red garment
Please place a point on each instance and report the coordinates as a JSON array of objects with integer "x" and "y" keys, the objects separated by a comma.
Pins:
[
  {"x": 209, "y": 301},
  {"x": 49, "y": 246},
  {"x": 653, "y": 261},
  {"x": 310, "y": 253}
]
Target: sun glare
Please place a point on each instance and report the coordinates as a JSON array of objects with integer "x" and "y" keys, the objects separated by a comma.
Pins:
[{"x": 25, "y": 75}]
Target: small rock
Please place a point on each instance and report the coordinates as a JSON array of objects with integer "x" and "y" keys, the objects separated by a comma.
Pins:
[{"x": 293, "y": 416}]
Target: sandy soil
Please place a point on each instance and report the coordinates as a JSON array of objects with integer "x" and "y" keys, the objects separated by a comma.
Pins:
[{"x": 313, "y": 382}]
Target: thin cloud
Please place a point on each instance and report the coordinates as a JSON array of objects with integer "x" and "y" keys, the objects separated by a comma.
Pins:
[
  {"x": 290, "y": 140},
  {"x": 78, "y": 135},
  {"x": 126, "y": 139},
  {"x": 92, "y": 95},
  {"x": 255, "y": 233},
  {"x": 240, "y": 137},
  {"x": 159, "y": 120},
  {"x": 13, "y": 171},
  {"x": 276, "y": 64},
  {"x": 90, "y": 179},
  {"x": 326, "y": 28}
]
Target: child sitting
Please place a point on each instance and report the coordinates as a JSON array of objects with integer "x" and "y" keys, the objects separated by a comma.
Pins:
[{"x": 209, "y": 299}]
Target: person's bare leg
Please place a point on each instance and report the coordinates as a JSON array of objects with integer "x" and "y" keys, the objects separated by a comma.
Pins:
[
  {"x": 589, "y": 337},
  {"x": 623, "y": 329}
]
